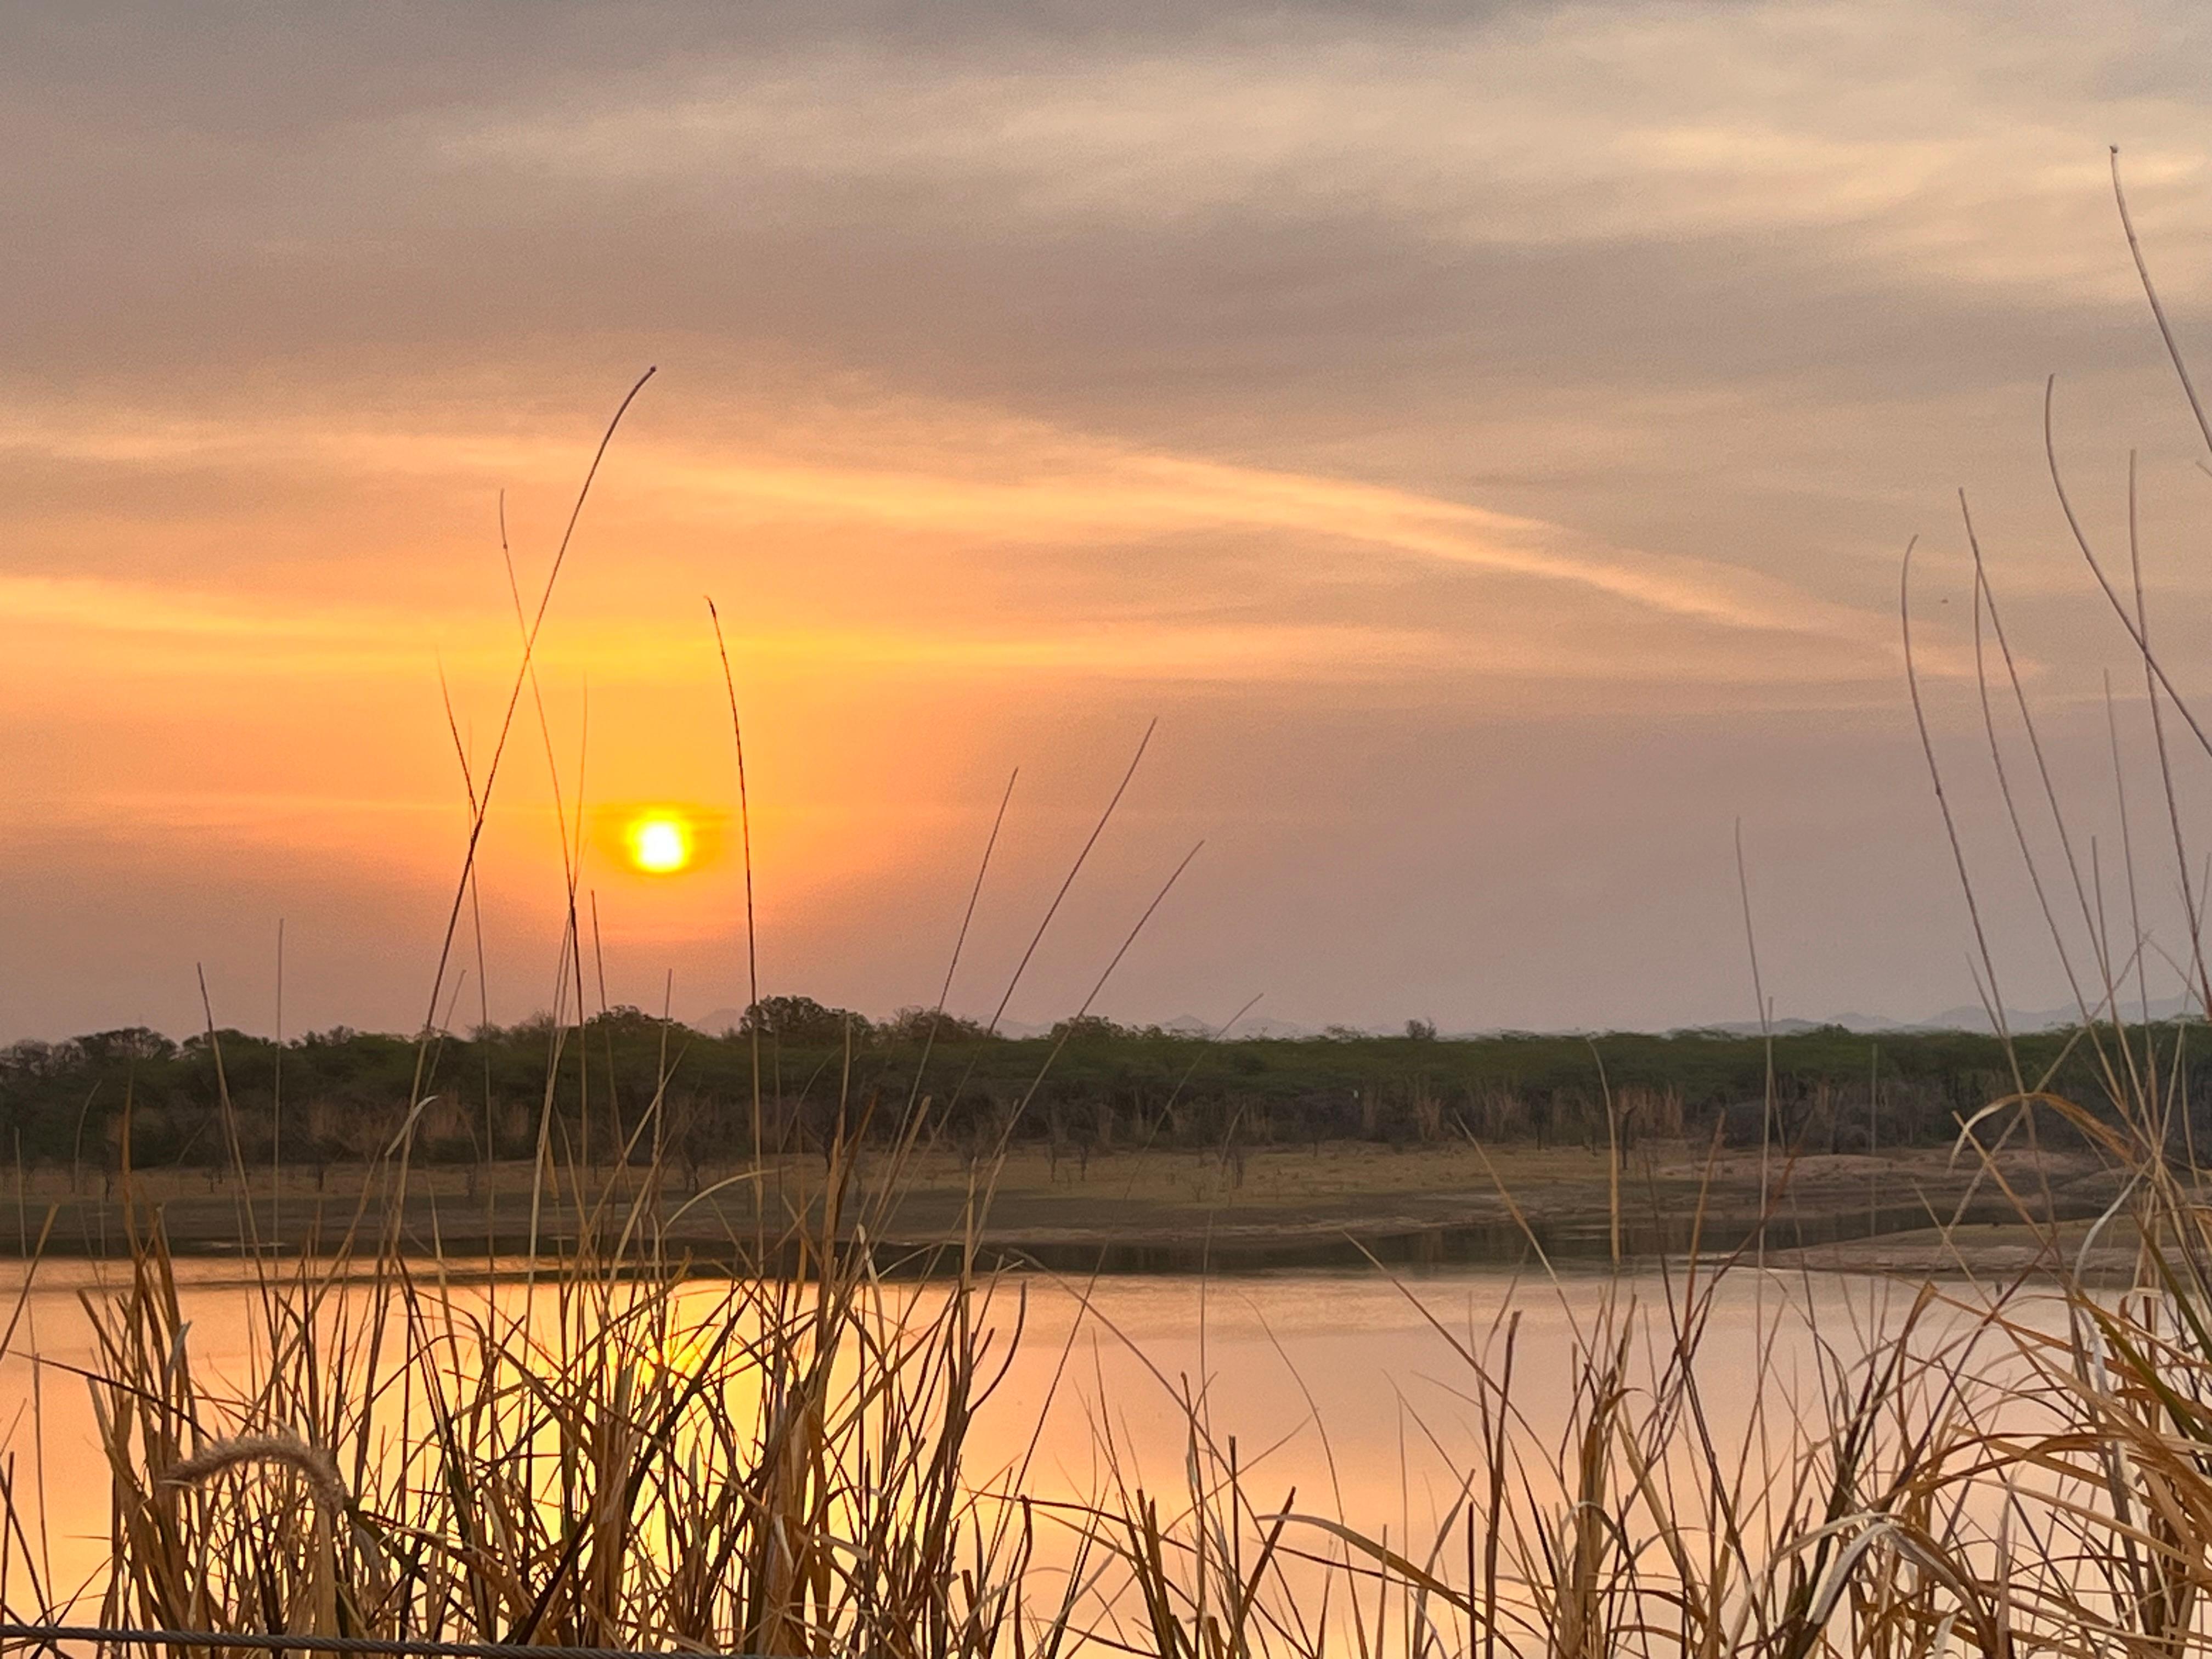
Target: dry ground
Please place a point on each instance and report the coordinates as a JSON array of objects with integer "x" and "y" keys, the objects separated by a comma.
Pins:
[{"x": 1169, "y": 1210}]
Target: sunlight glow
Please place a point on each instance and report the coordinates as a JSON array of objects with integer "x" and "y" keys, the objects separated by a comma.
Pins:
[{"x": 659, "y": 843}]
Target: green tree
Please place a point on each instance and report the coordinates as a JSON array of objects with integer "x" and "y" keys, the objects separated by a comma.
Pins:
[{"x": 802, "y": 1023}]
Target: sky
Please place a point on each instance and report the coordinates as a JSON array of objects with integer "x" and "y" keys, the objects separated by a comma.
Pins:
[{"x": 1482, "y": 437}]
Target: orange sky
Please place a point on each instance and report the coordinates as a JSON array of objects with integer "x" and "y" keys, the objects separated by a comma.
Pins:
[{"x": 1485, "y": 444}]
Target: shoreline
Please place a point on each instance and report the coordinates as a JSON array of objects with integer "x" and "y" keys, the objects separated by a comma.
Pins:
[{"x": 1332, "y": 1205}]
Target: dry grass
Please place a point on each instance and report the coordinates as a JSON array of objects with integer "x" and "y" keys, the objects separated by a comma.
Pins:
[
  {"x": 620, "y": 1454},
  {"x": 615, "y": 1456}
]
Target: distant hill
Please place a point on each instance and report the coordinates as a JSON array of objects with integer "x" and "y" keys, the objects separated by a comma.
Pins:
[{"x": 1965, "y": 1017}]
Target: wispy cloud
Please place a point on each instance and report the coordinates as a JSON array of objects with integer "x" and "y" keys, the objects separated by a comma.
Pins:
[
  {"x": 1016, "y": 484},
  {"x": 112, "y": 637}
]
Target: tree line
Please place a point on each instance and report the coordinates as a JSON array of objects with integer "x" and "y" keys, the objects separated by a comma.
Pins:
[{"x": 623, "y": 1083}]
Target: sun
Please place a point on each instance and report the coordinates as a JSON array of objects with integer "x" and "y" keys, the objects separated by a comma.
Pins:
[{"x": 659, "y": 843}]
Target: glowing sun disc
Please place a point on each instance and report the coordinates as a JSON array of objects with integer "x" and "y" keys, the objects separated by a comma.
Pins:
[{"x": 659, "y": 843}]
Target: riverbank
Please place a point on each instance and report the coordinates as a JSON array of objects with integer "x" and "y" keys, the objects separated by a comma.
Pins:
[{"x": 1334, "y": 1203}]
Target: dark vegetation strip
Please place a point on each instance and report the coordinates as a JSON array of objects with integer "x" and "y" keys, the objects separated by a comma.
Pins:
[{"x": 345, "y": 1093}]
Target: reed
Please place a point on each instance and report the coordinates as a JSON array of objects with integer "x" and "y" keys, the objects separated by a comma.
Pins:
[{"x": 620, "y": 1455}]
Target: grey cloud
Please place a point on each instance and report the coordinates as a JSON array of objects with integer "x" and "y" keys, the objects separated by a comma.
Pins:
[{"x": 379, "y": 228}]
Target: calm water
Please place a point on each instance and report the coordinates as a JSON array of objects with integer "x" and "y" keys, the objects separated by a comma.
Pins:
[{"x": 1339, "y": 1386}]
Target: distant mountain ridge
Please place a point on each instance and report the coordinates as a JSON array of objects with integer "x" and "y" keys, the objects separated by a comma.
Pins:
[{"x": 1965, "y": 1017}]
